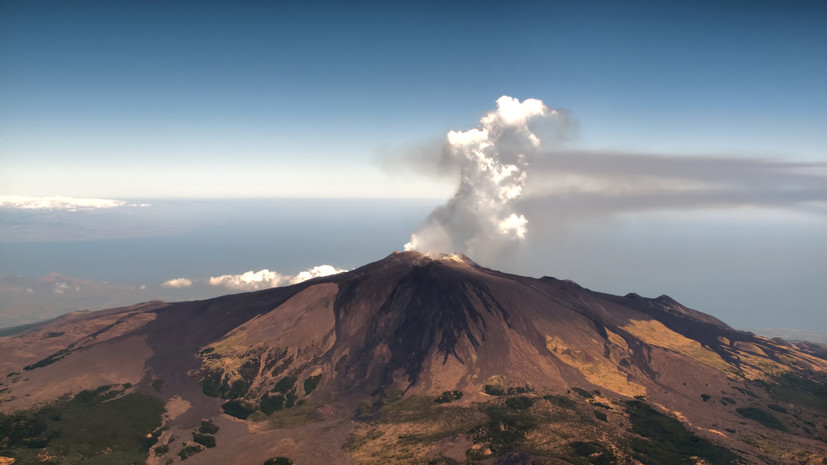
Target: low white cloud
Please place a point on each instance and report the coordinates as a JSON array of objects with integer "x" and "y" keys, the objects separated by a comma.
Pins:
[
  {"x": 250, "y": 280},
  {"x": 60, "y": 203},
  {"x": 265, "y": 279},
  {"x": 315, "y": 272},
  {"x": 177, "y": 283},
  {"x": 60, "y": 287}
]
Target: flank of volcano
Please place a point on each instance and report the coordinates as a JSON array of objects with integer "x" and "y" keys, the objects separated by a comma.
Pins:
[{"x": 419, "y": 359}]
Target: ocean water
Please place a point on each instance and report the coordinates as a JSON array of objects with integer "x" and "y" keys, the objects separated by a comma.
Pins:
[
  {"x": 175, "y": 238},
  {"x": 121, "y": 256},
  {"x": 747, "y": 271}
]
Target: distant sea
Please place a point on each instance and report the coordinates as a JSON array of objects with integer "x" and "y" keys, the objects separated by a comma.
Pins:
[
  {"x": 127, "y": 252},
  {"x": 749, "y": 272},
  {"x": 173, "y": 238}
]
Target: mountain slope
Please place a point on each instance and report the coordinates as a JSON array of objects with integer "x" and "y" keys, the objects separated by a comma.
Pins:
[{"x": 372, "y": 343}]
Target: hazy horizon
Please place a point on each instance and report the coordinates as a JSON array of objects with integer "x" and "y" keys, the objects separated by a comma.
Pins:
[
  {"x": 653, "y": 148},
  {"x": 124, "y": 255}
]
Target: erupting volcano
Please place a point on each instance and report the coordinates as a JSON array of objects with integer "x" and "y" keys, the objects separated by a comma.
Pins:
[{"x": 441, "y": 354}]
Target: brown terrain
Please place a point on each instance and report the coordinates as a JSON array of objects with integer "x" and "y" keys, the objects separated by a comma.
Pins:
[{"x": 420, "y": 359}]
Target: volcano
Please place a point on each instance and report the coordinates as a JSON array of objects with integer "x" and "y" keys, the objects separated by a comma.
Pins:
[{"x": 412, "y": 359}]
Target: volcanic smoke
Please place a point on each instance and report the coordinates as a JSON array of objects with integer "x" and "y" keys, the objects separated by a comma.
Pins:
[{"x": 480, "y": 219}]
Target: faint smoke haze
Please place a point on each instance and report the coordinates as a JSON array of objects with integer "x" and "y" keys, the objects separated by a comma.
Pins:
[
  {"x": 595, "y": 182},
  {"x": 492, "y": 158}
]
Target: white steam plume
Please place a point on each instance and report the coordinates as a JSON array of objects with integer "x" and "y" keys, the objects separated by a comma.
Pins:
[{"x": 480, "y": 219}]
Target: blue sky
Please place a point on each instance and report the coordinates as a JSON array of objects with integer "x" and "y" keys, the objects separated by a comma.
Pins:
[
  {"x": 693, "y": 161},
  {"x": 194, "y": 99}
]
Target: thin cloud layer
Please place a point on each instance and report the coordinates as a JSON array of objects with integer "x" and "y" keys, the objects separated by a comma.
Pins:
[
  {"x": 481, "y": 219},
  {"x": 59, "y": 203},
  {"x": 569, "y": 184}
]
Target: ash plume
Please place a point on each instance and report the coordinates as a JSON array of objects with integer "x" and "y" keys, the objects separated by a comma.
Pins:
[
  {"x": 481, "y": 219},
  {"x": 498, "y": 199}
]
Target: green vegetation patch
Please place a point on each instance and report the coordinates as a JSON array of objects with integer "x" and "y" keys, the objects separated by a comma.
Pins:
[
  {"x": 777, "y": 408},
  {"x": 238, "y": 408},
  {"x": 519, "y": 402},
  {"x": 271, "y": 403},
  {"x": 666, "y": 441},
  {"x": 208, "y": 427},
  {"x": 449, "y": 396},
  {"x": 158, "y": 384},
  {"x": 519, "y": 390},
  {"x": 48, "y": 360},
  {"x": 233, "y": 384},
  {"x": 761, "y": 416},
  {"x": 527, "y": 426},
  {"x": 493, "y": 390},
  {"x": 745, "y": 391},
  {"x": 807, "y": 390},
  {"x": 86, "y": 429},
  {"x": 561, "y": 401},
  {"x": 189, "y": 451},
  {"x": 421, "y": 414},
  {"x": 290, "y": 399},
  {"x": 443, "y": 461},
  {"x": 592, "y": 452},
  {"x": 340, "y": 363},
  {"x": 285, "y": 384},
  {"x": 290, "y": 418},
  {"x": 206, "y": 440},
  {"x": 237, "y": 389},
  {"x": 583, "y": 393},
  {"x": 506, "y": 429},
  {"x": 311, "y": 383},
  {"x": 278, "y": 461},
  {"x": 497, "y": 390},
  {"x": 273, "y": 357},
  {"x": 214, "y": 384}
]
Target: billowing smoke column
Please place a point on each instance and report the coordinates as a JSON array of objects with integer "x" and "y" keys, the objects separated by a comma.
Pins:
[{"x": 480, "y": 220}]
